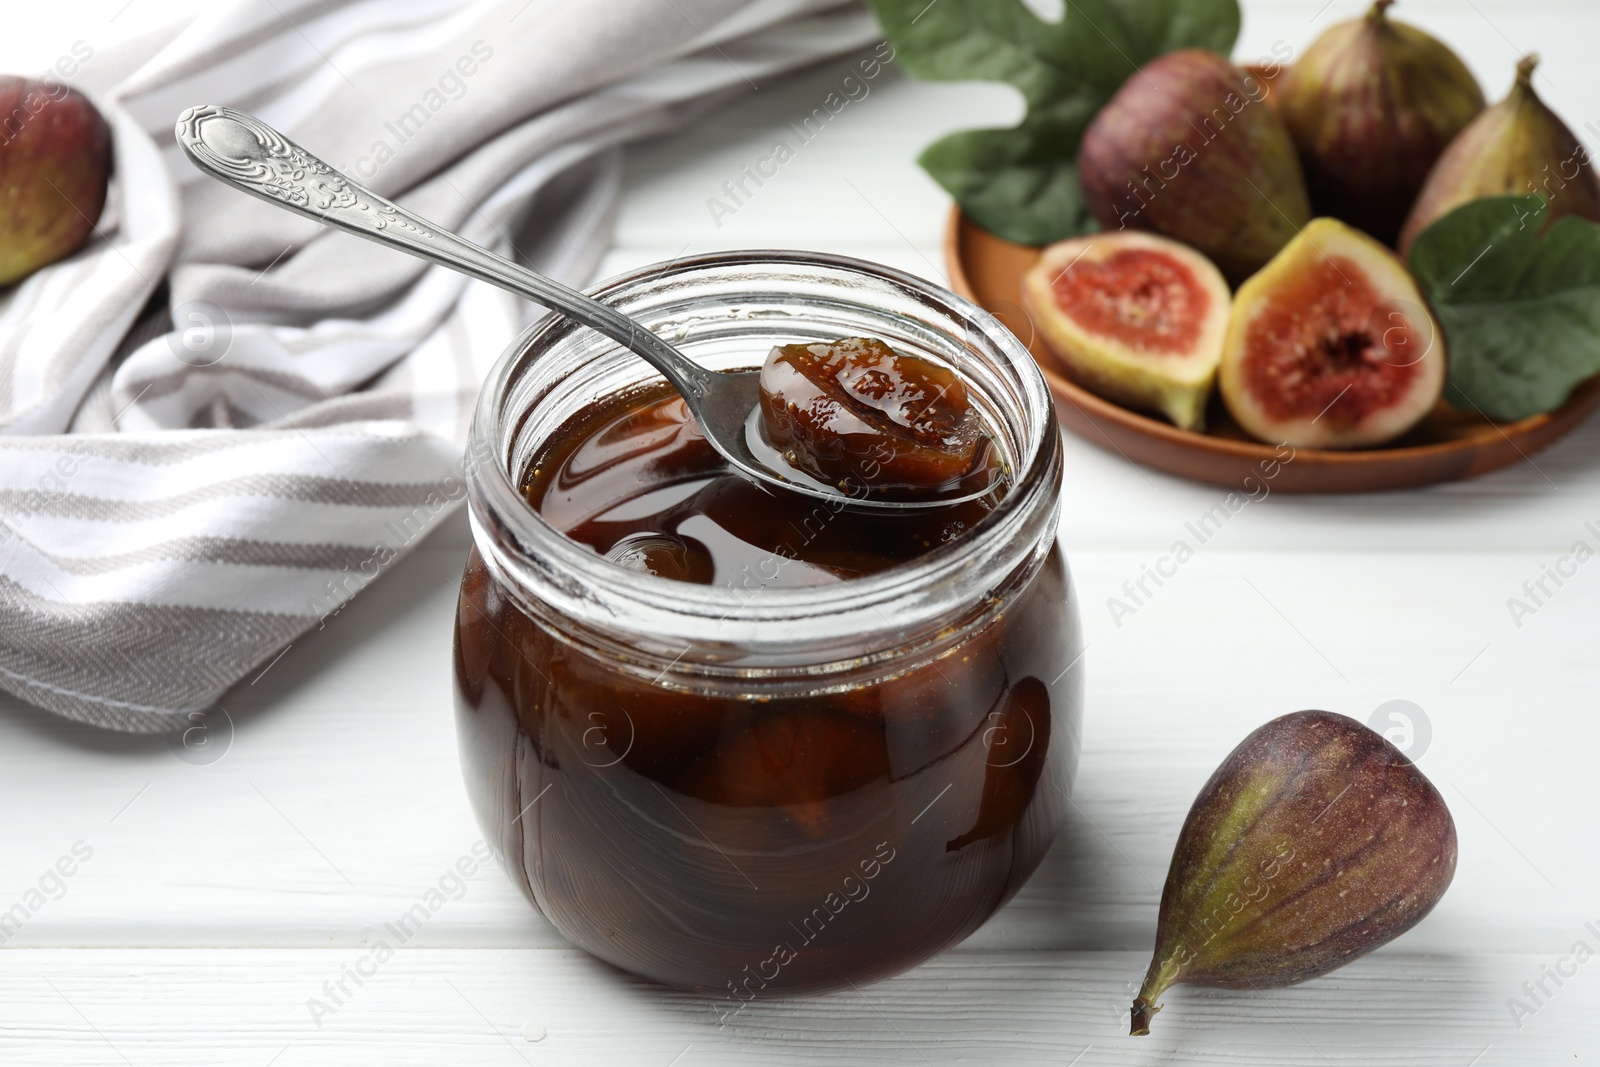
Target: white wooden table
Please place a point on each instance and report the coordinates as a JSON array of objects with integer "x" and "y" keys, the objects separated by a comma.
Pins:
[{"x": 221, "y": 896}]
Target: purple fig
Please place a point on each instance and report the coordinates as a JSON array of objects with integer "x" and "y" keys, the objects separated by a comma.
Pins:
[
  {"x": 1371, "y": 106},
  {"x": 55, "y": 160},
  {"x": 1189, "y": 149},
  {"x": 1315, "y": 842},
  {"x": 1515, "y": 148}
]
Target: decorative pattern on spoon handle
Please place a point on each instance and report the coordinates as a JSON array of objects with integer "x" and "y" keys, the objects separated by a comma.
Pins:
[
  {"x": 252, "y": 155},
  {"x": 242, "y": 151}
]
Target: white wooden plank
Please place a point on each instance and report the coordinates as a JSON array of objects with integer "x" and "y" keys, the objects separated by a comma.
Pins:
[{"x": 430, "y": 1008}]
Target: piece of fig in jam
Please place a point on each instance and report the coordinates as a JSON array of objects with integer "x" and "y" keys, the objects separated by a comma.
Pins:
[
  {"x": 1017, "y": 737},
  {"x": 857, "y": 414}
]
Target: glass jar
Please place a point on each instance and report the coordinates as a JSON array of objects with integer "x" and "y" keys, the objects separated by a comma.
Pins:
[{"x": 749, "y": 791}]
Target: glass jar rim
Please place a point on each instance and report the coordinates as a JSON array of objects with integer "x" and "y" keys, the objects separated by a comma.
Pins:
[{"x": 525, "y": 550}]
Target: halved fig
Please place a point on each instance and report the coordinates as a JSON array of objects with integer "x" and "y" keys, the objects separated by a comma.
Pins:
[
  {"x": 1331, "y": 345},
  {"x": 1136, "y": 318}
]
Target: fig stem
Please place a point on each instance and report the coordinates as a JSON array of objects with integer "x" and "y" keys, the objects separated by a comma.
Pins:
[
  {"x": 1380, "y": 10},
  {"x": 1142, "y": 1011},
  {"x": 1157, "y": 981},
  {"x": 1525, "y": 69}
]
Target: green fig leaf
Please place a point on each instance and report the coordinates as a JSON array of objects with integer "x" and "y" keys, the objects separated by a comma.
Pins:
[
  {"x": 1022, "y": 183},
  {"x": 1519, "y": 303}
]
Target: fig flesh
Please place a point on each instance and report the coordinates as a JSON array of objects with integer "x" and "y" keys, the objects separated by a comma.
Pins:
[
  {"x": 1136, "y": 318},
  {"x": 856, "y": 413},
  {"x": 1332, "y": 345},
  {"x": 1371, "y": 106},
  {"x": 55, "y": 162},
  {"x": 1315, "y": 842},
  {"x": 1517, "y": 147},
  {"x": 1189, "y": 149}
]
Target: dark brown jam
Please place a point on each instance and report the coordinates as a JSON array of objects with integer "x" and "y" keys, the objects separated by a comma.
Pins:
[
  {"x": 769, "y": 837},
  {"x": 860, "y": 416},
  {"x": 638, "y": 483}
]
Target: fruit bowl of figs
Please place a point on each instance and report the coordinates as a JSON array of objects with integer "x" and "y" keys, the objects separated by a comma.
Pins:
[{"x": 1344, "y": 269}]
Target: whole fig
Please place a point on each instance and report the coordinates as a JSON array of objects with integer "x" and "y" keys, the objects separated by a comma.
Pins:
[
  {"x": 1315, "y": 842},
  {"x": 1189, "y": 149},
  {"x": 1371, "y": 106},
  {"x": 1517, "y": 147},
  {"x": 55, "y": 161}
]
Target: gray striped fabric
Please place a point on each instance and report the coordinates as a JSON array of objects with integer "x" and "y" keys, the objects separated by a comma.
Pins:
[{"x": 184, "y": 491}]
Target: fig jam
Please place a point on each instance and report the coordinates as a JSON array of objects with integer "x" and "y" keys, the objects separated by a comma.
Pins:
[
  {"x": 638, "y": 483},
  {"x": 755, "y": 841},
  {"x": 858, "y": 415},
  {"x": 741, "y": 821}
]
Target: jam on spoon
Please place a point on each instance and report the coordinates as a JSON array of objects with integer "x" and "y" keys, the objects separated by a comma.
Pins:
[{"x": 858, "y": 415}]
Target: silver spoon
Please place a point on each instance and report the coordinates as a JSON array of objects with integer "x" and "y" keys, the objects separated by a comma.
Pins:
[{"x": 246, "y": 153}]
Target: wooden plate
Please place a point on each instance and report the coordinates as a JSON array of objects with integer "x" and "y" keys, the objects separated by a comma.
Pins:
[{"x": 1448, "y": 446}]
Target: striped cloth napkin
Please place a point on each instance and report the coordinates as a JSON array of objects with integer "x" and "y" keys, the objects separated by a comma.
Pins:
[{"x": 219, "y": 422}]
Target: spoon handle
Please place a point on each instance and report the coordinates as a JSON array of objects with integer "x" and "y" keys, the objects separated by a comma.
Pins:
[{"x": 246, "y": 153}]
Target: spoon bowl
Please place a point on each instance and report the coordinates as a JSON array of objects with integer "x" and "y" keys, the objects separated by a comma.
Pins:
[{"x": 244, "y": 152}]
